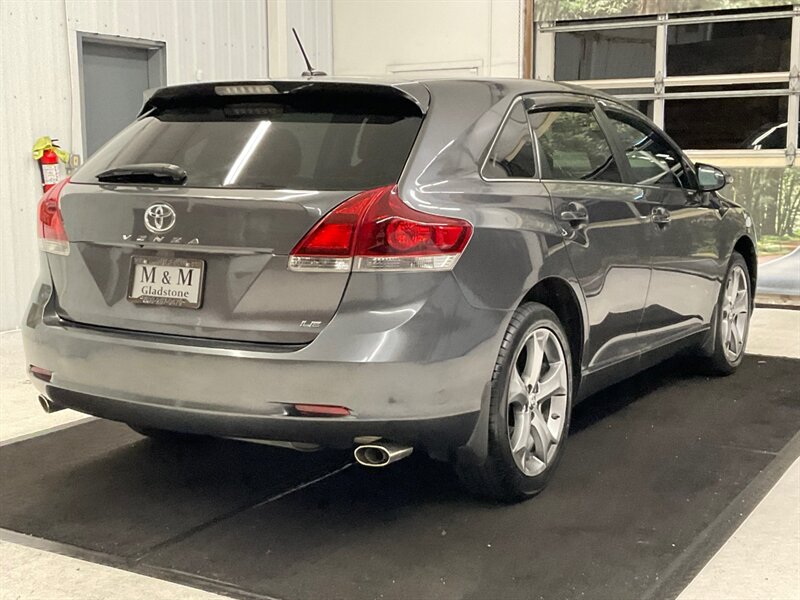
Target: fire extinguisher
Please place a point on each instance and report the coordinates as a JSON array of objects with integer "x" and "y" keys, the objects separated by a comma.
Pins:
[{"x": 48, "y": 155}]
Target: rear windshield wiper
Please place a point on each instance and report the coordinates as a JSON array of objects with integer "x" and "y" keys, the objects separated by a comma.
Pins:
[{"x": 145, "y": 173}]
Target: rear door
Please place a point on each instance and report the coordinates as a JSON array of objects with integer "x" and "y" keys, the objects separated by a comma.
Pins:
[
  {"x": 261, "y": 170},
  {"x": 684, "y": 230},
  {"x": 603, "y": 221}
]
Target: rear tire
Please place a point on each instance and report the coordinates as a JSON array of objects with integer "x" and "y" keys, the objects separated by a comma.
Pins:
[
  {"x": 529, "y": 411},
  {"x": 733, "y": 311},
  {"x": 166, "y": 436}
]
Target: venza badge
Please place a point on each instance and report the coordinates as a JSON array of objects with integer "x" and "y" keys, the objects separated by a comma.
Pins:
[{"x": 159, "y": 218}]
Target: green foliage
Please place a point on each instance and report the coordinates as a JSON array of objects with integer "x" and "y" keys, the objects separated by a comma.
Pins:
[
  {"x": 575, "y": 9},
  {"x": 778, "y": 244},
  {"x": 771, "y": 196},
  {"x": 578, "y": 9}
]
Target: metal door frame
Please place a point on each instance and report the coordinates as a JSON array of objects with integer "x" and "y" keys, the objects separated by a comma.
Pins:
[{"x": 156, "y": 65}]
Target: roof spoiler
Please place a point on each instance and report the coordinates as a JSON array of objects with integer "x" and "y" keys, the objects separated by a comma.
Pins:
[{"x": 223, "y": 91}]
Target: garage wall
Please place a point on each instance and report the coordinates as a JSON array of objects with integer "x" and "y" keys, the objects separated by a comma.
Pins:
[
  {"x": 41, "y": 91},
  {"x": 312, "y": 20},
  {"x": 418, "y": 38}
]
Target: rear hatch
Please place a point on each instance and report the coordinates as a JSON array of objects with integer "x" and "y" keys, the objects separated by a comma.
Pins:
[{"x": 205, "y": 254}]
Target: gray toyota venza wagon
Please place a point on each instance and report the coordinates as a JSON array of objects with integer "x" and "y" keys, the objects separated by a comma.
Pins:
[{"x": 442, "y": 265}]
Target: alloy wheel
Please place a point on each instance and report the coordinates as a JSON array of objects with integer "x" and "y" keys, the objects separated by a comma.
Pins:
[
  {"x": 735, "y": 314},
  {"x": 537, "y": 401}
]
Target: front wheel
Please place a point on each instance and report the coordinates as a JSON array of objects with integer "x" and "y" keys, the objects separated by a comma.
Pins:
[
  {"x": 530, "y": 407},
  {"x": 734, "y": 308}
]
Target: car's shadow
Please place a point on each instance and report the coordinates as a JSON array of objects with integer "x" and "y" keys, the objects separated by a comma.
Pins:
[
  {"x": 102, "y": 481},
  {"x": 103, "y": 465}
]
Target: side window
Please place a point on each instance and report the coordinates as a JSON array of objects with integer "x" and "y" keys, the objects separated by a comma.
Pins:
[
  {"x": 511, "y": 156},
  {"x": 572, "y": 146},
  {"x": 652, "y": 160}
]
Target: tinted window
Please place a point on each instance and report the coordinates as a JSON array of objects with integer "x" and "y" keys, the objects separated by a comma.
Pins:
[
  {"x": 573, "y": 147},
  {"x": 726, "y": 123},
  {"x": 729, "y": 47},
  {"x": 267, "y": 146},
  {"x": 606, "y": 54},
  {"x": 512, "y": 153},
  {"x": 652, "y": 160}
]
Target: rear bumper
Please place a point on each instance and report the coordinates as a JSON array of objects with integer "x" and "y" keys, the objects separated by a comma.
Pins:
[
  {"x": 230, "y": 390},
  {"x": 438, "y": 432}
]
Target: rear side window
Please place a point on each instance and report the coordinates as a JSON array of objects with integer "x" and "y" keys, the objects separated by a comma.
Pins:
[
  {"x": 324, "y": 144},
  {"x": 573, "y": 147},
  {"x": 511, "y": 155}
]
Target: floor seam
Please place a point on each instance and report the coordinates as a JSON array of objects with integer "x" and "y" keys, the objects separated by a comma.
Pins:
[{"x": 138, "y": 558}]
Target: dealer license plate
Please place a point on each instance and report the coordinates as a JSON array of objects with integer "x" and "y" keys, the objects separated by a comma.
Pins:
[{"x": 174, "y": 282}]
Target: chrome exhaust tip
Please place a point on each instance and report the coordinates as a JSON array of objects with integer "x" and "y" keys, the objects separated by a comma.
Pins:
[
  {"x": 49, "y": 406},
  {"x": 380, "y": 454}
]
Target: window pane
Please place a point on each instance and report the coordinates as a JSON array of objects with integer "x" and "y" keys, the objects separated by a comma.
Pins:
[
  {"x": 512, "y": 153},
  {"x": 606, "y": 54},
  {"x": 261, "y": 145},
  {"x": 573, "y": 147},
  {"x": 775, "y": 87},
  {"x": 652, "y": 160},
  {"x": 729, "y": 47},
  {"x": 643, "y": 106},
  {"x": 722, "y": 123}
]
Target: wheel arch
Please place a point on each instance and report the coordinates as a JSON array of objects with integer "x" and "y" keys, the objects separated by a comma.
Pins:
[
  {"x": 745, "y": 246},
  {"x": 560, "y": 297}
]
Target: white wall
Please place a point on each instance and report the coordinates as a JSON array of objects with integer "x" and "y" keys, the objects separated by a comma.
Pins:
[
  {"x": 427, "y": 37},
  {"x": 39, "y": 91},
  {"x": 312, "y": 19}
]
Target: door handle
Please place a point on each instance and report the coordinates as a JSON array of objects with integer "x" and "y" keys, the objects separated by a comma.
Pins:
[
  {"x": 660, "y": 216},
  {"x": 575, "y": 214}
]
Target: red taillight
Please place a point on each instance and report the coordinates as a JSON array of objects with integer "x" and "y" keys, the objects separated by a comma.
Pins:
[
  {"x": 335, "y": 233},
  {"x": 376, "y": 230},
  {"x": 52, "y": 235}
]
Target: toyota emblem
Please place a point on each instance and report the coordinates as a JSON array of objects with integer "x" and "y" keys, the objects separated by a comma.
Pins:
[{"x": 159, "y": 218}]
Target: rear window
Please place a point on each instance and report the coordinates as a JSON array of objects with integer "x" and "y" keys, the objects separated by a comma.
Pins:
[{"x": 326, "y": 143}]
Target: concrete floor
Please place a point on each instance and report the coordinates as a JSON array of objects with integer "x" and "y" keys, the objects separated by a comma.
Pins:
[
  {"x": 760, "y": 560},
  {"x": 30, "y": 573}
]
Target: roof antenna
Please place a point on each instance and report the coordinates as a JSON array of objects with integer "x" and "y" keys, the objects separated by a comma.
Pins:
[{"x": 312, "y": 72}]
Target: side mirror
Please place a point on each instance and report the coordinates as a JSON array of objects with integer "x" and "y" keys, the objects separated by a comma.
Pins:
[{"x": 710, "y": 179}]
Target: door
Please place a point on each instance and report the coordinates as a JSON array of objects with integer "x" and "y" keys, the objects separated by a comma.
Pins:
[
  {"x": 683, "y": 232},
  {"x": 604, "y": 224},
  {"x": 115, "y": 76}
]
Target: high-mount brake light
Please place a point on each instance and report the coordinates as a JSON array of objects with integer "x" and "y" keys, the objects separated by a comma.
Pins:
[
  {"x": 245, "y": 90},
  {"x": 376, "y": 231},
  {"x": 50, "y": 227}
]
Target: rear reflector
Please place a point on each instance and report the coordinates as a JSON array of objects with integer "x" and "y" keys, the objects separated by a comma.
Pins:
[
  {"x": 41, "y": 373},
  {"x": 376, "y": 231},
  {"x": 50, "y": 227},
  {"x": 321, "y": 410}
]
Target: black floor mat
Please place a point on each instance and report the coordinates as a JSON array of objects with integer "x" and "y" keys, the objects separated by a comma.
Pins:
[{"x": 650, "y": 464}]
